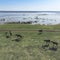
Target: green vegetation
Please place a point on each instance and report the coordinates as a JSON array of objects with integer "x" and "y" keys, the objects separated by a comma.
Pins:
[{"x": 30, "y": 46}]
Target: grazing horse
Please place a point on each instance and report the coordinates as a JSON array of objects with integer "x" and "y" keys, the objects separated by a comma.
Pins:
[
  {"x": 47, "y": 41},
  {"x": 55, "y": 46},
  {"x": 17, "y": 40},
  {"x": 54, "y": 43},
  {"x": 10, "y": 33},
  {"x": 7, "y": 35},
  {"x": 40, "y": 31},
  {"x": 47, "y": 44},
  {"x": 18, "y": 35}
]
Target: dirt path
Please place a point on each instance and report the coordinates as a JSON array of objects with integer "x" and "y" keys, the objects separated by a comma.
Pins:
[{"x": 31, "y": 30}]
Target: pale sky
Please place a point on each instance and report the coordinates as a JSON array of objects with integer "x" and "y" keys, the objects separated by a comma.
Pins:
[{"x": 30, "y": 5}]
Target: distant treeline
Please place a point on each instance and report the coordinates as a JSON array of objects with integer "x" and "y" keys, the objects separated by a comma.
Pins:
[{"x": 29, "y": 22}]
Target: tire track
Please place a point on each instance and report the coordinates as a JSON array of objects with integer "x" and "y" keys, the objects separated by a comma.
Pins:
[{"x": 31, "y": 30}]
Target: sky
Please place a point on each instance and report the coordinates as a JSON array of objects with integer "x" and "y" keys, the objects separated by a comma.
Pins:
[{"x": 30, "y": 5}]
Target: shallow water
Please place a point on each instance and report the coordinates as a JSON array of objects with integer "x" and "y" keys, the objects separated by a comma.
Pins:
[{"x": 47, "y": 18}]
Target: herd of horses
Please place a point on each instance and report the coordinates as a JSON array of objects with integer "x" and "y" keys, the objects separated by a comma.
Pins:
[
  {"x": 9, "y": 34},
  {"x": 46, "y": 44}
]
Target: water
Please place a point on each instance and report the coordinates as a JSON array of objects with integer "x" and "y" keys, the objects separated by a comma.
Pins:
[{"x": 42, "y": 17}]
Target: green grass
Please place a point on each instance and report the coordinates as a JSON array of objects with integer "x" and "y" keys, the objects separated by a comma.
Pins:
[{"x": 30, "y": 47}]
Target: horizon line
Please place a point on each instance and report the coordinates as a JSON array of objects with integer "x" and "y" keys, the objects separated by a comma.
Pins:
[{"x": 11, "y": 11}]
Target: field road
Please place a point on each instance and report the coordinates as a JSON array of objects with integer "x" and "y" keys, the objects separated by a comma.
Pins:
[{"x": 30, "y": 30}]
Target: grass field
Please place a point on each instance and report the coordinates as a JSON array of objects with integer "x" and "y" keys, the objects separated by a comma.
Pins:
[{"x": 30, "y": 46}]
